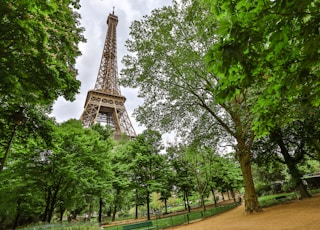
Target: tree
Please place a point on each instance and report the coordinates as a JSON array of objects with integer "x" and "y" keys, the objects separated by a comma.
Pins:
[
  {"x": 311, "y": 128},
  {"x": 197, "y": 167},
  {"x": 226, "y": 174},
  {"x": 59, "y": 178},
  {"x": 39, "y": 43},
  {"x": 33, "y": 130},
  {"x": 269, "y": 175},
  {"x": 121, "y": 186},
  {"x": 221, "y": 170},
  {"x": 19, "y": 125},
  {"x": 270, "y": 47},
  {"x": 146, "y": 165},
  {"x": 167, "y": 182},
  {"x": 184, "y": 178},
  {"x": 169, "y": 69},
  {"x": 288, "y": 146},
  {"x": 104, "y": 171},
  {"x": 80, "y": 160},
  {"x": 20, "y": 200}
]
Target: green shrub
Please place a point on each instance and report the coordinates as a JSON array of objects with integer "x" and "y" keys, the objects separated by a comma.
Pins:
[
  {"x": 64, "y": 226},
  {"x": 270, "y": 200}
]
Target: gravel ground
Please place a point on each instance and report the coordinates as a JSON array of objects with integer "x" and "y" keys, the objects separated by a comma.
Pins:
[{"x": 295, "y": 215}]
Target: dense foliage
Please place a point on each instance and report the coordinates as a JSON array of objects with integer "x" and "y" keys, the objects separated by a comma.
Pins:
[
  {"x": 167, "y": 65},
  {"x": 41, "y": 180},
  {"x": 39, "y": 44},
  {"x": 243, "y": 74},
  {"x": 249, "y": 67},
  {"x": 272, "y": 48}
]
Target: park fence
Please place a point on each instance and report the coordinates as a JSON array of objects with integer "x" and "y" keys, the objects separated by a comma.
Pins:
[{"x": 166, "y": 222}]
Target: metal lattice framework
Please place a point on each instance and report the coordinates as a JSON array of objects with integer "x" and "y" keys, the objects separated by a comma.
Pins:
[{"x": 105, "y": 104}]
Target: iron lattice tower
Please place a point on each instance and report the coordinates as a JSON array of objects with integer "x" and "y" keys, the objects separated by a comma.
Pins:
[{"x": 105, "y": 104}]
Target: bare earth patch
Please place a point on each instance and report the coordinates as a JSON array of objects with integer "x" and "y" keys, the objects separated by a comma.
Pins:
[{"x": 295, "y": 215}]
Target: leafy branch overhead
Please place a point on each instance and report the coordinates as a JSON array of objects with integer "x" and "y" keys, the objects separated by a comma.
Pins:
[
  {"x": 39, "y": 46},
  {"x": 271, "y": 47}
]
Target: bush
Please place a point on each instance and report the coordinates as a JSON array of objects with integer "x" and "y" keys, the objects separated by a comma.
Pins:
[
  {"x": 263, "y": 189},
  {"x": 288, "y": 186},
  {"x": 266, "y": 201},
  {"x": 69, "y": 226}
]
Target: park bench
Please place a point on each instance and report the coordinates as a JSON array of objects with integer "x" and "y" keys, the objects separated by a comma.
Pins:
[{"x": 140, "y": 225}]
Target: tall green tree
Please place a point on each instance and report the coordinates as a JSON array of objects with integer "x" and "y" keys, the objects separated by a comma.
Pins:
[
  {"x": 287, "y": 145},
  {"x": 39, "y": 46},
  {"x": 184, "y": 180},
  {"x": 56, "y": 178},
  {"x": 146, "y": 165},
  {"x": 121, "y": 186},
  {"x": 105, "y": 174},
  {"x": 79, "y": 160},
  {"x": 30, "y": 130},
  {"x": 167, "y": 181},
  {"x": 21, "y": 202},
  {"x": 169, "y": 69},
  {"x": 197, "y": 167},
  {"x": 17, "y": 125}
]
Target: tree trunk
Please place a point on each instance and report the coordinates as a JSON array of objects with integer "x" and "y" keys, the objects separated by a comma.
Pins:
[
  {"x": 148, "y": 205},
  {"x": 232, "y": 194},
  {"x": 109, "y": 211},
  {"x": 291, "y": 164},
  {"x": 53, "y": 201},
  {"x": 316, "y": 144},
  {"x": 62, "y": 210},
  {"x": 137, "y": 209},
  {"x": 100, "y": 211},
  {"x": 251, "y": 200},
  {"x": 51, "y": 208},
  {"x": 296, "y": 176},
  {"x": 16, "y": 220},
  {"x": 90, "y": 208},
  {"x": 137, "y": 205},
  {"x": 187, "y": 198},
  {"x": 214, "y": 197},
  {"x": 114, "y": 213},
  {"x": 3, "y": 160},
  {"x": 202, "y": 202},
  {"x": 165, "y": 205},
  {"x": 48, "y": 201}
]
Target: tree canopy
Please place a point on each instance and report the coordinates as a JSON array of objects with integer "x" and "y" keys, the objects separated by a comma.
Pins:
[
  {"x": 270, "y": 47},
  {"x": 68, "y": 175},
  {"x": 39, "y": 44},
  {"x": 167, "y": 65}
]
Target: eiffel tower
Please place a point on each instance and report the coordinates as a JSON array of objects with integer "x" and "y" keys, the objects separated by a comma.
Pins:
[{"x": 105, "y": 104}]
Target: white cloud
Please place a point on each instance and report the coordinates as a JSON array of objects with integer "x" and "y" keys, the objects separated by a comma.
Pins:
[{"x": 94, "y": 14}]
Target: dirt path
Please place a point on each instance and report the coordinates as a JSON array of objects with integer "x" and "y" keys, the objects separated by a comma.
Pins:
[{"x": 295, "y": 215}]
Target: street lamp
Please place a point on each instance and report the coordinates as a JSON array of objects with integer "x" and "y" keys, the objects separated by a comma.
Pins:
[{"x": 18, "y": 117}]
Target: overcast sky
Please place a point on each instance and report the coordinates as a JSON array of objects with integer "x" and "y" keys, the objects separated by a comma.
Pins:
[{"x": 94, "y": 14}]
